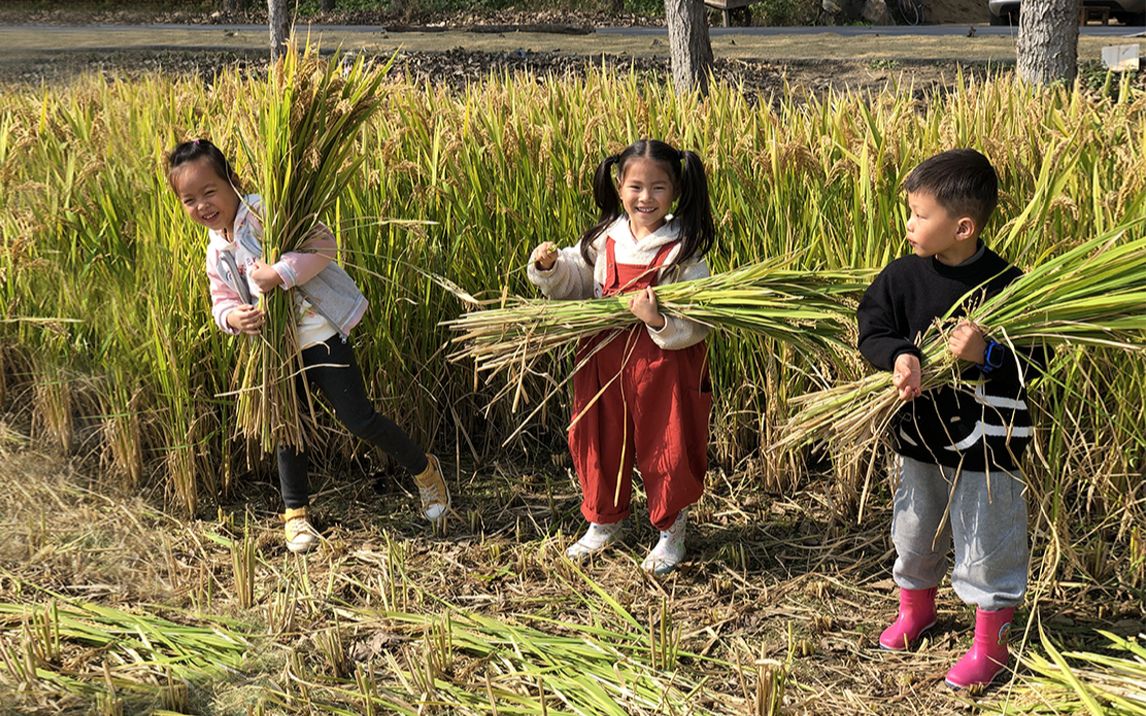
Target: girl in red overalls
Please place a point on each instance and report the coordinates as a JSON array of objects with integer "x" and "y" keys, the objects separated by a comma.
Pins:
[{"x": 644, "y": 396}]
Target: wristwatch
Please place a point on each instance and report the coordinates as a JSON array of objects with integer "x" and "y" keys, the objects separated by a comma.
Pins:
[{"x": 992, "y": 357}]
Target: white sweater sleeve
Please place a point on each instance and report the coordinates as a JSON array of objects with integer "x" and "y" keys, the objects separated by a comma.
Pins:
[
  {"x": 678, "y": 333},
  {"x": 569, "y": 277}
]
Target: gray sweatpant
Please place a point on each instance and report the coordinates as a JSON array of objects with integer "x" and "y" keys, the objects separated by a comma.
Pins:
[{"x": 987, "y": 521}]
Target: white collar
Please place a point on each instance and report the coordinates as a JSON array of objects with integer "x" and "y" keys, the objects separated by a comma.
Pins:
[{"x": 668, "y": 233}]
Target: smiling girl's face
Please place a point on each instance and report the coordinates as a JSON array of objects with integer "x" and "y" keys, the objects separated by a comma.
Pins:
[
  {"x": 208, "y": 198},
  {"x": 647, "y": 193}
]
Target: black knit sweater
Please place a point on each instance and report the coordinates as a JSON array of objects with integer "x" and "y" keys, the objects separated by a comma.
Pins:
[{"x": 982, "y": 425}]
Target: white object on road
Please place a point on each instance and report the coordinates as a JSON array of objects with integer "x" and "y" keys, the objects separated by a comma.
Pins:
[{"x": 1120, "y": 58}]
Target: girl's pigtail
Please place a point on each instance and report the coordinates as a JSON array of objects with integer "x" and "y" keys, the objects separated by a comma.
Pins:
[
  {"x": 608, "y": 201},
  {"x": 694, "y": 210}
]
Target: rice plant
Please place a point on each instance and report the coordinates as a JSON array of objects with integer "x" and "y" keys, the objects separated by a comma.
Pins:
[
  {"x": 1091, "y": 295},
  {"x": 1076, "y": 681},
  {"x": 810, "y": 311},
  {"x": 102, "y": 287},
  {"x": 138, "y": 647}
]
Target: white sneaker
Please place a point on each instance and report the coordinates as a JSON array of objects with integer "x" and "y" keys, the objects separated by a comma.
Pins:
[
  {"x": 669, "y": 549},
  {"x": 300, "y": 535},
  {"x": 595, "y": 539}
]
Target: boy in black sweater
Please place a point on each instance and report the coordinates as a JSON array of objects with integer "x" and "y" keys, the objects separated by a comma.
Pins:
[{"x": 960, "y": 446}]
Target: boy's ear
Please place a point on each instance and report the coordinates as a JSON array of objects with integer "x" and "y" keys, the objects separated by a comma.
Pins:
[{"x": 965, "y": 228}]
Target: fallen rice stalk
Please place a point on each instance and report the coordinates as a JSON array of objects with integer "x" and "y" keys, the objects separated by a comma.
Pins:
[
  {"x": 1087, "y": 682},
  {"x": 145, "y": 649},
  {"x": 582, "y": 670}
]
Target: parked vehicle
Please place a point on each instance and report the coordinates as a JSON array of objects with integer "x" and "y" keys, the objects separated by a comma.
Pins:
[{"x": 1128, "y": 12}]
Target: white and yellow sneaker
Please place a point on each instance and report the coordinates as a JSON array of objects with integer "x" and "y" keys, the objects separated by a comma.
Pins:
[
  {"x": 300, "y": 535},
  {"x": 432, "y": 490}
]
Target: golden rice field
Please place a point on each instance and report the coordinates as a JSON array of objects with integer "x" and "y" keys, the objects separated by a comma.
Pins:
[{"x": 151, "y": 575}]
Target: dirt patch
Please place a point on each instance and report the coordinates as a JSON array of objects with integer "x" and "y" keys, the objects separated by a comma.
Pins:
[
  {"x": 967, "y": 47},
  {"x": 812, "y": 61},
  {"x": 955, "y": 11},
  {"x": 459, "y": 67}
]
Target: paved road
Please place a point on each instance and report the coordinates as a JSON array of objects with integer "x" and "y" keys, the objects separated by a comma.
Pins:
[
  {"x": 922, "y": 43},
  {"x": 1105, "y": 31},
  {"x": 983, "y": 29}
]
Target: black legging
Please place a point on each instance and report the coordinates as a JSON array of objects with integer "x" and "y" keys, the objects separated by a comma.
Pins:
[{"x": 332, "y": 370}]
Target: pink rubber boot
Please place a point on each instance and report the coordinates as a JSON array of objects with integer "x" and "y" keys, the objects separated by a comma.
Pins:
[
  {"x": 916, "y": 615},
  {"x": 988, "y": 655}
]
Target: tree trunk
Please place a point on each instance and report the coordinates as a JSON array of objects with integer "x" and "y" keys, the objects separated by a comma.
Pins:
[
  {"x": 326, "y": 5},
  {"x": 1048, "y": 41},
  {"x": 232, "y": 5},
  {"x": 278, "y": 16},
  {"x": 689, "y": 45}
]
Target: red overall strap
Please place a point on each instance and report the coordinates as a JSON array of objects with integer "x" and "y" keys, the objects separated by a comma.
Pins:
[{"x": 636, "y": 276}]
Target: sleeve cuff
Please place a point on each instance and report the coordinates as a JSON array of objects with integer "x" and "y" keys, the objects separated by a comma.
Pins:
[
  {"x": 286, "y": 273},
  {"x": 224, "y": 326},
  {"x": 534, "y": 272},
  {"x": 912, "y": 350}
]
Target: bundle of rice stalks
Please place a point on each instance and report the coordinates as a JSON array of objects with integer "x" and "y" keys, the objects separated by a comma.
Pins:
[
  {"x": 1091, "y": 295},
  {"x": 810, "y": 310},
  {"x": 303, "y": 154}
]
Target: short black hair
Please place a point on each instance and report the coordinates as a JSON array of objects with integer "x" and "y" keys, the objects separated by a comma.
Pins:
[{"x": 962, "y": 181}]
